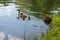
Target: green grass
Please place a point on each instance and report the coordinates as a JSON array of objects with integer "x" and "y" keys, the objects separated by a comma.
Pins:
[{"x": 54, "y": 33}]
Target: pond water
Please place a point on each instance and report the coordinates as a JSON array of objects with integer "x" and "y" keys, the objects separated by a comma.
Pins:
[{"x": 12, "y": 28}]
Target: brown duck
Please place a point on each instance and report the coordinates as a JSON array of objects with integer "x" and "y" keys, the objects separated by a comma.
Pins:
[{"x": 47, "y": 20}]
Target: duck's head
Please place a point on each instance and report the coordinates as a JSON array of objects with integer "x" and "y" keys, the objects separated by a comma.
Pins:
[
  {"x": 18, "y": 10},
  {"x": 21, "y": 13}
]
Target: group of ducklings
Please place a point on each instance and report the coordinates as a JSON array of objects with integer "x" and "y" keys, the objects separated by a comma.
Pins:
[{"x": 20, "y": 15}]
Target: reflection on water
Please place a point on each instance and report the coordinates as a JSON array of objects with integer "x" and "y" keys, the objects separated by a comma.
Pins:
[
  {"x": 10, "y": 25},
  {"x": 2, "y": 35}
]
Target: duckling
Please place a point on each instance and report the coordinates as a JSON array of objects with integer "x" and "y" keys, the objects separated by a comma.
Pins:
[
  {"x": 48, "y": 20},
  {"x": 18, "y": 10},
  {"x": 28, "y": 17},
  {"x": 23, "y": 18},
  {"x": 21, "y": 15}
]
